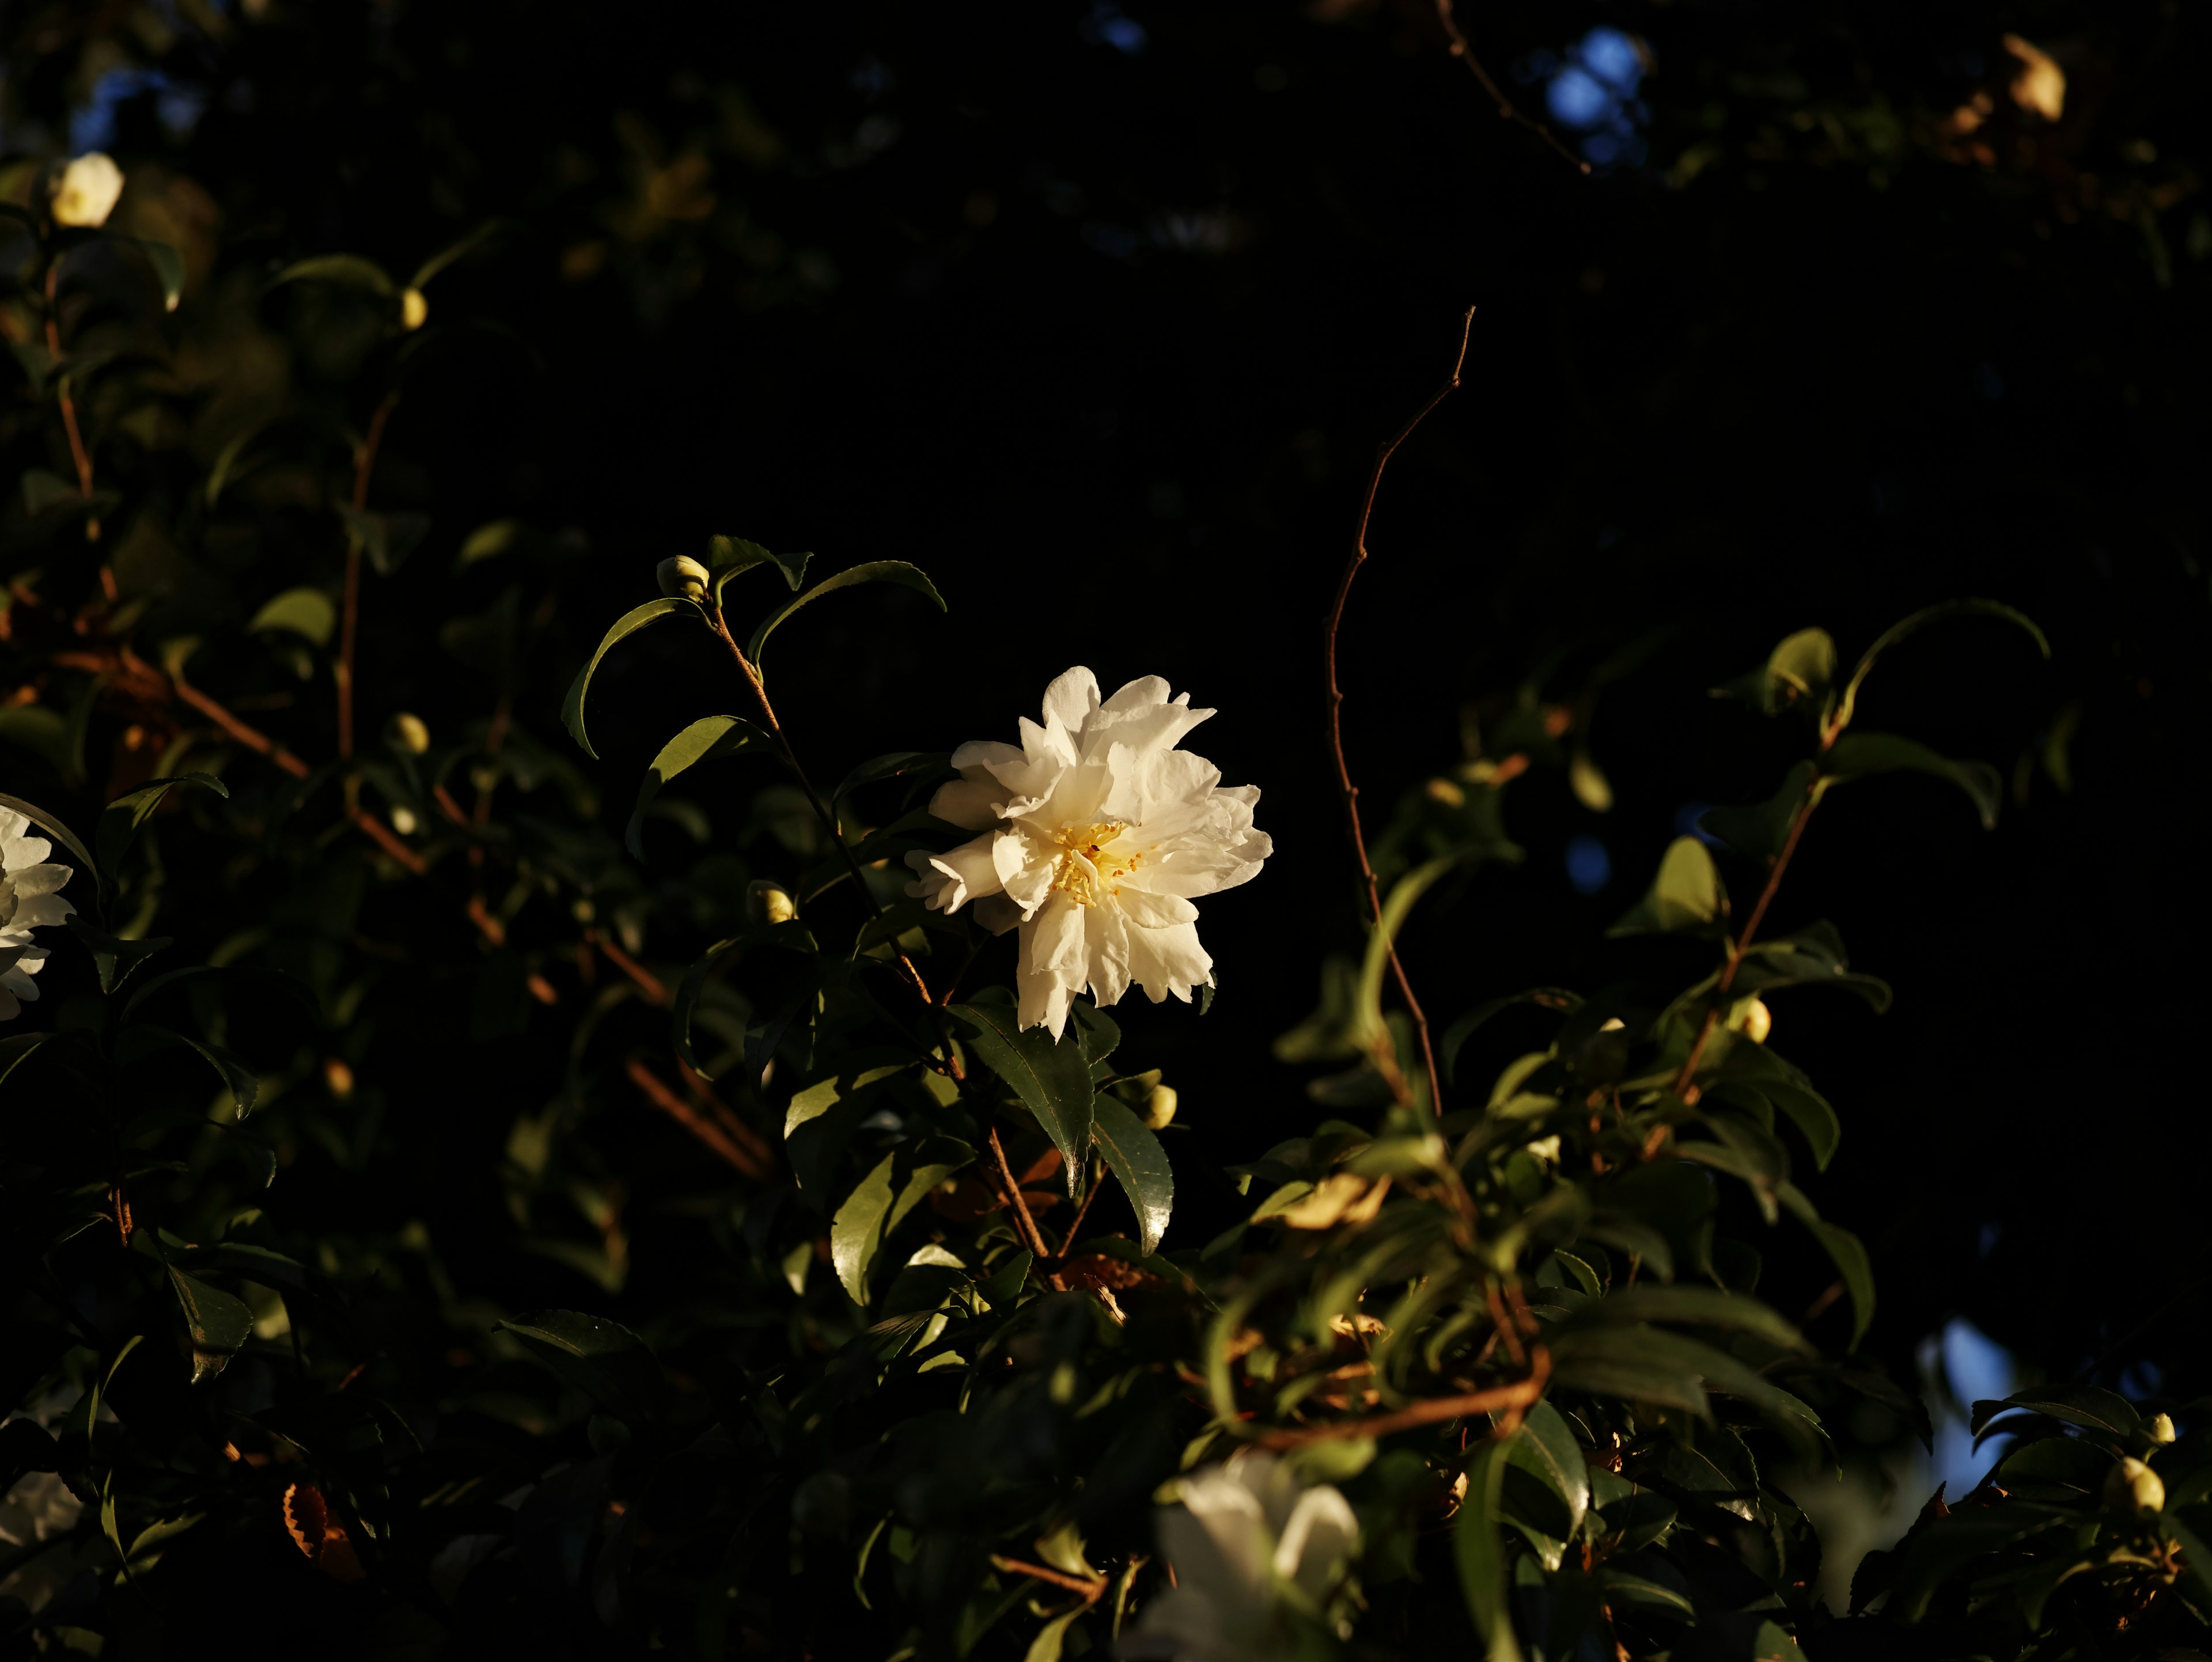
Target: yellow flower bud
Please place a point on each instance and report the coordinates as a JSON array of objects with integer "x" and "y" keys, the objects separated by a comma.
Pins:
[
  {"x": 1160, "y": 1106},
  {"x": 338, "y": 1077},
  {"x": 767, "y": 902},
  {"x": 414, "y": 309},
  {"x": 2161, "y": 1428},
  {"x": 682, "y": 575},
  {"x": 1751, "y": 1018},
  {"x": 2134, "y": 1487},
  {"x": 410, "y": 732},
  {"x": 86, "y": 190},
  {"x": 403, "y": 820}
]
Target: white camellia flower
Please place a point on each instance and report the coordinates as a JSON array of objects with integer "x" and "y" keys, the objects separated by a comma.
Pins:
[
  {"x": 1247, "y": 1540},
  {"x": 28, "y": 901},
  {"x": 87, "y": 191},
  {"x": 1097, "y": 835}
]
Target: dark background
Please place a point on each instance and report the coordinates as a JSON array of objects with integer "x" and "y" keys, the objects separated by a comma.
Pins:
[{"x": 1097, "y": 315}]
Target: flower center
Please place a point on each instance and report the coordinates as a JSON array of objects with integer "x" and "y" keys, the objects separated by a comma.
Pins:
[{"x": 1089, "y": 868}]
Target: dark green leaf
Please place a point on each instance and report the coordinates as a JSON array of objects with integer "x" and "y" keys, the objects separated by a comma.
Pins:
[
  {"x": 120, "y": 821},
  {"x": 1052, "y": 1079},
  {"x": 1920, "y": 620},
  {"x": 706, "y": 739},
  {"x": 1686, "y": 898},
  {"x": 1760, "y": 832},
  {"x": 219, "y": 1322},
  {"x": 346, "y": 270},
  {"x": 1690, "y": 1306},
  {"x": 1848, "y": 1256},
  {"x": 1456, "y": 1035},
  {"x": 572, "y": 706},
  {"x": 1547, "y": 1445},
  {"x": 899, "y": 1183},
  {"x": 1862, "y": 755},
  {"x": 874, "y": 571},
  {"x": 899, "y": 764},
  {"x": 144, "y": 1040},
  {"x": 1479, "y": 1550},
  {"x": 114, "y": 958},
  {"x": 2093, "y": 1408},
  {"x": 726, "y": 556},
  {"x": 1799, "y": 674},
  {"x": 606, "y": 1362},
  {"x": 1134, "y": 1155},
  {"x": 446, "y": 256}
]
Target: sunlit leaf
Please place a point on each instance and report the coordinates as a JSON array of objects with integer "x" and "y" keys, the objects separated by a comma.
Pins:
[
  {"x": 874, "y": 571},
  {"x": 572, "y": 706}
]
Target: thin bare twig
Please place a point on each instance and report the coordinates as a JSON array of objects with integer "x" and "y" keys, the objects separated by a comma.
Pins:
[
  {"x": 1689, "y": 1073},
  {"x": 1351, "y": 792},
  {"x": 1092, "y": 1591},
  {"x": 822, "y": 811},
  {"x": 1082, "y": 1212},
  {"x": 80, "y": 456},
  {"x": 364, "y": 463},
  {"x": 1521, "y": 1394},
  {"x": 1024, "y": 1225},
  {"x": 715, "y": 1137},
  {"x": 1507, "y": 109}
]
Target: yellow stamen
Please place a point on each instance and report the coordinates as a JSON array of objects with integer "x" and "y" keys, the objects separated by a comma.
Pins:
[{"x": 1089, "y": 868}]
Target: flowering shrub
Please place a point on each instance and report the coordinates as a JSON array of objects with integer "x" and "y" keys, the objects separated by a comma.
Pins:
[{"x": 1483, "y": 1369}]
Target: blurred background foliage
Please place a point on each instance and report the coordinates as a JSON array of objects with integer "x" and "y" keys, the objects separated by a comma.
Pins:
[{"x": 1095, "y": 313}]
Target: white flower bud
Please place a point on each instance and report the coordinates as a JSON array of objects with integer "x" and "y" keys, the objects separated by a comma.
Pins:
[
  {"x": 2161, "y": 1428},
  {"x": 767, "y": 902},
  {"x": 414, "y": 309},
  {"x": 683, "y": 576},
  {"x": 1751, "y": 1018},
  {"x": 1160, "y": 1106},
  {"x": 2134, "y": 1487},
  {"x": 86, "y": 192},
  {"x": 409, "y": 734}
]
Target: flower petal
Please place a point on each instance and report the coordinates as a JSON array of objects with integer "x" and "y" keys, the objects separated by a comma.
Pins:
[
  {"x": 1169, "y": 960},
  {"x": 1149, "y": 910}
]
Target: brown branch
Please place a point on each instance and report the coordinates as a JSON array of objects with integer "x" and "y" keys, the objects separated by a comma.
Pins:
[
  {"x": 738, "y": 1131},
  {"x": 1082, "y": 1212},
  {"x": 1520, "y": 1395},
  {"x": 1024, "y": 1225},
  {"x": 1507, "y": 110},
  {"x": 1351, "y": 792},
  {"x": 364, "y": 463},
  {"x": 814, "y": 797},
  {"x": 684, "y": 1115},
  {"x": 252, "y": 738},
  {"x": 80, "y": 456},
  {"x": 647, "y": 983},
  {"x": 1683, "y": 1080},
  {"x": 1092, "y": 1591}
]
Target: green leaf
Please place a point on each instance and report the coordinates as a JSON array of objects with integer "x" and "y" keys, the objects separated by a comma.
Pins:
[
  {"x": 386, "y": 538},
  {"x": 1479, "y": 1550},
  {"x": 1624, "y": 1591},
  {"x": 446, "y": 256},
  {"x": 112, "y": 957},
  {"x": 1862, "y": 755},
  {"x": 54, "y": 828},
  {"x": 1760, "y": 830},
  {"x": 346, "y": 270},
  {"x": 726, "y": 556},
  {"x": 1052, "y": 1079},
  {"x": 168, "y": 268},
  {"x": 1686, "y": 898},
  {"x": 2091, "y": 1407},
  {"x": 1547, "y": 1445},
  {"x": 1368, "y": 1029},
  {"x": 308, "y": 613},
  {"x": 1134, "y": 1155},
  {"x": 120, "y": 821},
  {"x": 1456, "y": 1035},
  {"x": 882, "y": 1199},
  {"x": 1799, "y": 674},
  {"x": 874, "y": 571},
  {"x": 143, "y": 1040},
  {"x": 603, "y": 1360},
  {"x": 899, "y": 764},
  {"x": 1691, "y": 1306},
  {"x": 1845, "y": 1251},
  {"x": 572, "y": 706},
  {"x": 706, "y": 739},
  {"x": 219, "y": 1322},
  {"x": 1919, "y": 620},
  {"x": 792, "y": 936}
]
